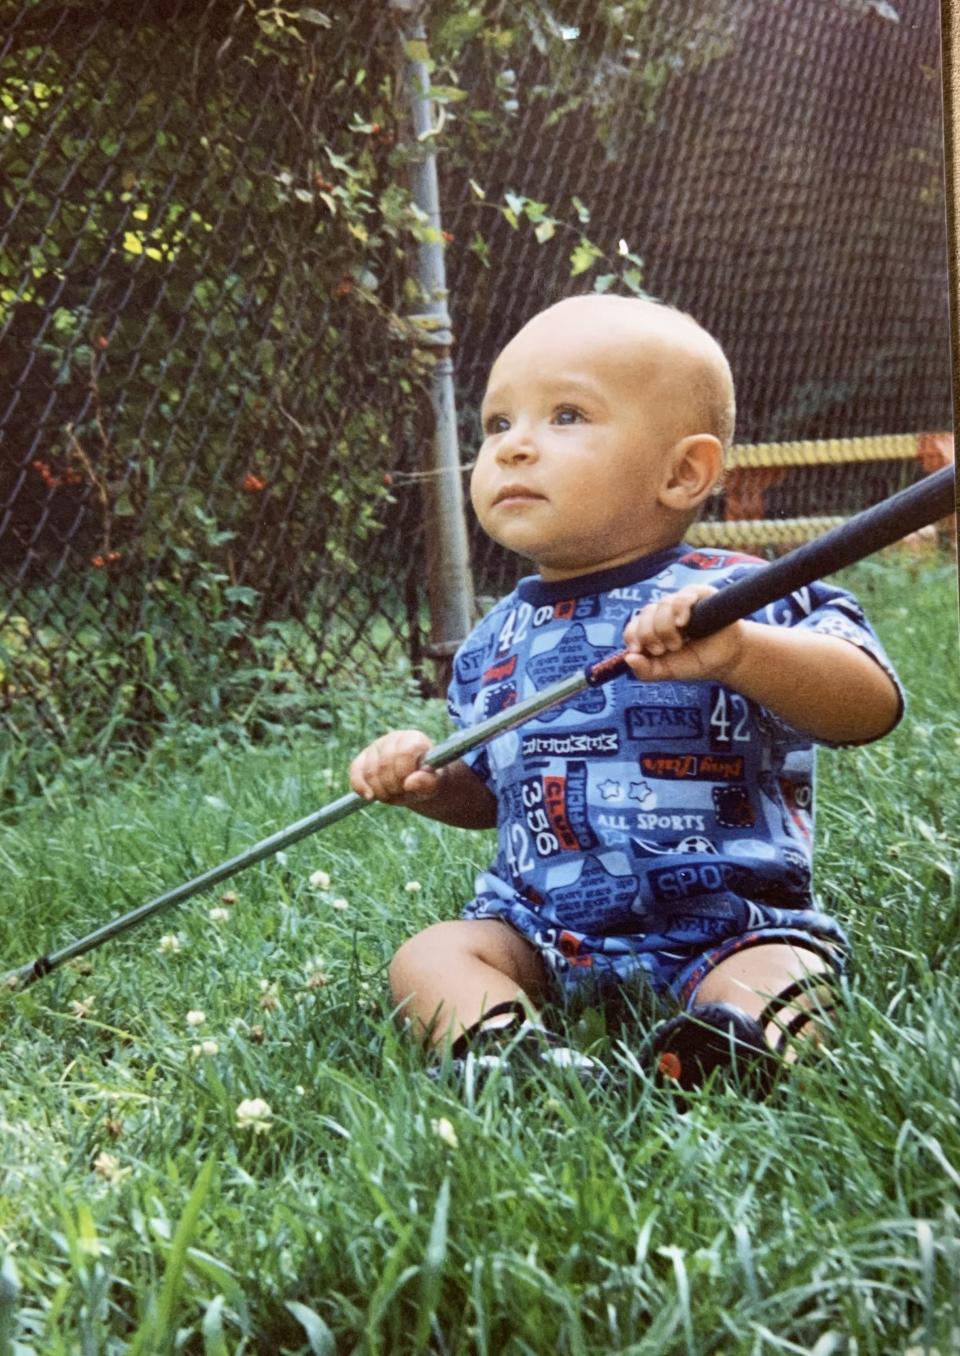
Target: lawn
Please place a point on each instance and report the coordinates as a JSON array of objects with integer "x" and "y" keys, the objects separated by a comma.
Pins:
[{"x": 215, "y": 1141}]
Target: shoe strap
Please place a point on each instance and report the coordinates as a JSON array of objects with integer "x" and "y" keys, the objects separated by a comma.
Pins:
[
  {"x": 809, "y": 983},
  {"x": 478, "y": 1032}
]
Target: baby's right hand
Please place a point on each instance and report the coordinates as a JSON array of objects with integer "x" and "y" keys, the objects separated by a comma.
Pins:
[{"x": 389, "y": 769}]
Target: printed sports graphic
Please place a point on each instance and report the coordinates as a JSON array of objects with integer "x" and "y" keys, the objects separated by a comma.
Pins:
[
  {"x": 700, "y": 767},
  {"x": 498, "y": 673},
  {"x": 733, "y": 807},
  {"x": 567, "y": 609},
  {"x": 596, "y": 743},
  {"x": 715, "y": 560},
  {"x": 639, "y": 816},
  {"x": 565, "y": 658},
  {"x": 495, "y": 699},
  {"x": 664, "y": 722},
  {"x": 694, "y": 843},
  {"x": 596, "y": 898}
]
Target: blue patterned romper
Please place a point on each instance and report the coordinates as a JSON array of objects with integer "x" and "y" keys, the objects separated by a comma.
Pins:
[{"x": 645, "y": 830}]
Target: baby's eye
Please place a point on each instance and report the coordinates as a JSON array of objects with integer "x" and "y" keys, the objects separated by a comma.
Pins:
[
  {"x": 495, "y": 423},
  {"x": 568, "y": 414}
]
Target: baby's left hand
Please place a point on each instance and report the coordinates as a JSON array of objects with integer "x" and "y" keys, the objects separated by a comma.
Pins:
[{"x": 657, "y": 650}]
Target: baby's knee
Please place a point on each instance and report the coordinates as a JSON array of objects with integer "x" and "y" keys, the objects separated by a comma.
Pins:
[{"x": 420, "y": 955}]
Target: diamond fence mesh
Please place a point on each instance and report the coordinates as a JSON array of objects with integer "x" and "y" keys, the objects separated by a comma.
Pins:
[
  {"x": 778, "y": 168},
  {"x": 205, "y": 396},
  {"x": 216, "y": 408}
]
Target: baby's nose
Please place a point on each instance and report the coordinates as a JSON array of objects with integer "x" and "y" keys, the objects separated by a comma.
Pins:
[{"x": 517, "y": 444}]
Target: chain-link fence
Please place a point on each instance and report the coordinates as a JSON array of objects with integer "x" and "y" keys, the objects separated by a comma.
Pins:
[
  {"x": 779, "y": 170},
  {"x": 207, "y": 403},
  {"x": 215, "y": 410}
]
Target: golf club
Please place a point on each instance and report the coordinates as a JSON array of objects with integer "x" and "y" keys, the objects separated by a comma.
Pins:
[{"x": 925, "y": 502}]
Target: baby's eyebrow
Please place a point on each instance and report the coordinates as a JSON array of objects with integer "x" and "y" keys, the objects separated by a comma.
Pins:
[
  {"x": 556, "y": 388},
  {"x": 564, "y": 384}
]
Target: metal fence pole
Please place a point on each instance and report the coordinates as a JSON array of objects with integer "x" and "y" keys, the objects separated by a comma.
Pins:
[{"x": 449, "y": 580}]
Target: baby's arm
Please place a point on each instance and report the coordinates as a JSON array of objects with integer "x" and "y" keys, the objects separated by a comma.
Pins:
[
  {"x": 820, "y": 684},
  {"x": 390, "y": 770}
]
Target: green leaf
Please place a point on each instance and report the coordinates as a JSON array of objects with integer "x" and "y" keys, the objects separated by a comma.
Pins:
[
  {"x": 417, "y": 50},
  {"x": 150, "y": 651},
  {"x": 319, "y": 1336},
  {"x": 241, "y": 593},
  {"x": 446, "y": 94},
  {"x": 480, "y": 248},
  {"x": 314, "y": 16},
  {"x": 584, "y": 256}
]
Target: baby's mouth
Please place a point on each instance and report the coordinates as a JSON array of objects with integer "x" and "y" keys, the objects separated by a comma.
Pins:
[{"x": 517, "y": 493}]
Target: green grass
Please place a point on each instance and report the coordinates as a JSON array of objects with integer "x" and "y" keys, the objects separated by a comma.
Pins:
[{"x": 380, "y": 1213}]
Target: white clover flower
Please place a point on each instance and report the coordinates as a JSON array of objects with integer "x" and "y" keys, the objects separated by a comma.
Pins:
[
  {"x": 208, "y": 1048},
  {"x": 300, "y": 1090},
  {"x": 443, "y": 1129},
  {"x": 169, "y": 942},
  {"x": 320, "y": 880},
  {"x": 413, "y": 887},
  {"x": 108, "y": 1167},
  {"x": 195, "y": 1017},
  {"x": 219, "y": 915},
  {"x": 253, "y": 1113},
  {"x": 339, "y": 904},
  {"x": 271, "y": 998}
]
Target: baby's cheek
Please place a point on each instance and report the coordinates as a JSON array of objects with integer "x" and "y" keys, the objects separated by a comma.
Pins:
[{"x": 475, "y": 487}]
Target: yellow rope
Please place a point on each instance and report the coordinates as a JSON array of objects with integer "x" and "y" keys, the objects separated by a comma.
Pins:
[
  {"x": 762, "y": 532},
  {"x": 755, "y": 533},
  {"x": 889, "y": 447}
]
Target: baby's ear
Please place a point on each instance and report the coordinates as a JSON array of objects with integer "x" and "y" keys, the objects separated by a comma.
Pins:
[{"x": 691, "y": 470}]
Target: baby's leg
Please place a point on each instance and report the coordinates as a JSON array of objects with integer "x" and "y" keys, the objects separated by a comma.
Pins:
[
  {"x": 753, "y": 979},
  {"x": 449, "y": 975},
  {"x": 755, "y": 1007}
]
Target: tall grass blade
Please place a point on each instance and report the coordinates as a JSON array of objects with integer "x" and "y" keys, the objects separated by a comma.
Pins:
[
  {"x": 156, "y": 1333},
  {"x": 214, "y": 1338},
  {"x": 9, "y": 1298},
  {"x": 319, "y": 1337},
  {"x": 433, "y": 1263}
]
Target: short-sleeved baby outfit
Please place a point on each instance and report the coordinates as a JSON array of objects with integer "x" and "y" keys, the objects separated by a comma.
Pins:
[{"x": 646, "y": 830}]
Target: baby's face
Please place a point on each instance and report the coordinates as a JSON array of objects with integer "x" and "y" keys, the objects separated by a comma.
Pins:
[{"x": 579, "y": 418}]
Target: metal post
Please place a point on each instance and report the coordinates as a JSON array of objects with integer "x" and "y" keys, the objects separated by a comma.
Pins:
[{"x": 449, "y": 581}]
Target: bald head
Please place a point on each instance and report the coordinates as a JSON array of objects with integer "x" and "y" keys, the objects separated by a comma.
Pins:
[
  {"x": 605, "y": 421},
  {"x": 680, "y": 363}
]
